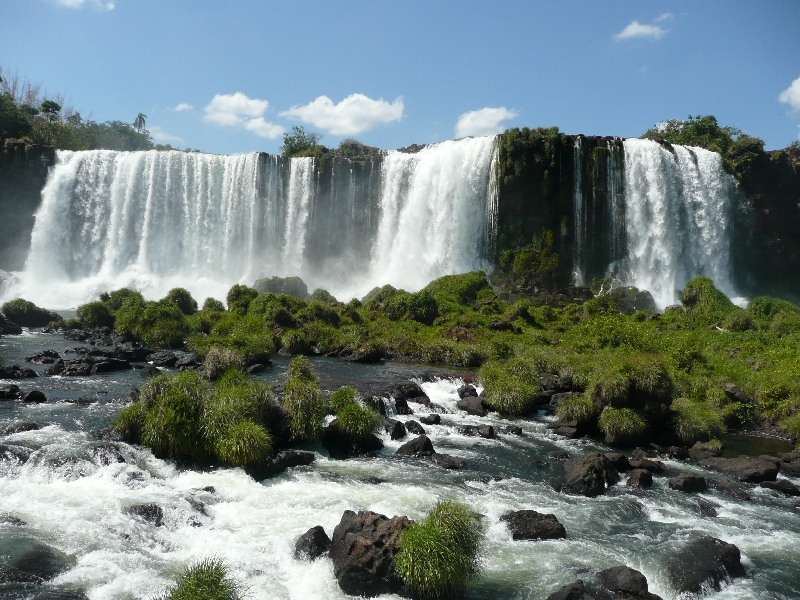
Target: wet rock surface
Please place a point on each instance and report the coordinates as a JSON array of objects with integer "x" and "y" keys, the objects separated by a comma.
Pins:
[
  {"x": 589, "y": 475},
  {"x": 688, "y": 483},
  {"x": 312, "y": 544},
  {"x": 532, "y": 525},
  {"x": 704, "y": 562},
  {"x": 743, "y": 468}
]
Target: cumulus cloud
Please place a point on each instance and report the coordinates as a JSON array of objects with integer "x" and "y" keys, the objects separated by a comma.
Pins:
[
  {"x": 639, "y": 30},
  {"x": 81, "y": 3},
  {"x": 237, "y": 110},
  {"x": 355, "y": 114},
  {"x": 664, "y": 17},
  {"x": 159, "y": 135},
  {"x": 791, "y": 95},
  {"x": 183, "y": 106},
  {"x": 486, "y": 121}
]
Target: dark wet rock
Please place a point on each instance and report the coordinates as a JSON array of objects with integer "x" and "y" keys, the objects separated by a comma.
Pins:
[
  {"x": 377, "y": 404},
  {"x": 567, "y": 429},
  {"x": 6, "y": 519},
  {"x": 447, "y": 461},
  {"x": 76, "y": 335},
  {"x": 401, "y": 407},
  {"x": 419, "y": 446},
  {"x": 790, "y": 463},
  {"x": 705, "y": 508},
  {"x": 312, "y": 544},
  {"x": 405, "y": 391},
  {"x": 131, "y": 396},
  {"x": 431, "y": 419},
  {"x": 743, "y": 468},
  {"x": 640, "y": 452},
  {"x": 473, "y": 405},
  {"x": 149, "y": 371},
  {"x": 784, "y": 486},
  {"x": 25, "y": 560},
  {"x": 162, "y": 359},
  {"x": 640, "y": 478},
  {"x": 626, "y": 583},
  {"x": 420, "y": 400},
  {"x": 150, "y": 513},
  {"x": 557, "y": 455},
  {"x": 47, "y": 357},
  {"x": 727, "y": 488},
  {"x": 14, "y": 453},
  {"x": 704, "y": 562},
  {"x": 10, "y": 392},
  {"x": 34, "y": 396},
  {"x": 107, "y": 454},
  {"x": 254, "y": 369},
  {"x": 532, "y": 525},
  {"x": 654, "y": 466},
  {"x": 677, "y": 452},
  {"x": 341, "y": 445},
  {"x": 735, "y": 394},
  {"x": 108, "y": 365},
  {"x": 557, "y": 399},
  {"x": 132, "y": 352},
  {"x": 20, "y": 428},
  {"x": 57, "y": 368},
  {"x": 619, "y": 460},
  {"x": 363, "y": 551},
  {"x": 688, "y": 483},
  {"x": 394, "y": 428},
  {"x": 189, "y": 362},
  {"x": 572, "y": 591},
  {"x": 467, "y": 391},
  {"x": 8, "y": 327},
  {"x": 17, "y": 372},
  {"x": 589, "y": 475},
  {"x": 368, "y": 354},
  {"x": 484, "y": 431},
  {"x": 413, "y": 427},
  {"x": 701, "y": 451},
  {"x": 370, "y": 480},
  {"x": 511, "y": 430}
]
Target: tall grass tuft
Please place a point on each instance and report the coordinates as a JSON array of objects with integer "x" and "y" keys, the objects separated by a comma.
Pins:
[
  {"x": 304, "y": 401},
  {"x": 510, "y": 386},
  {"x": 696, "y": 421},
  {"x": 621, "y": 423},
  {"x": 208, "y": 579}
]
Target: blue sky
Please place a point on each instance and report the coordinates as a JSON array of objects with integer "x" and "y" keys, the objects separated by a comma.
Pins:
[{"x": 392, "y": 74}]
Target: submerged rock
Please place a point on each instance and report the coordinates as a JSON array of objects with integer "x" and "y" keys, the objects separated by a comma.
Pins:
[
  {"x": 589, "y": 475},
  {"x": 312, "y": 544},
  {"x": 572, "y": 591},
  {"x": 413, "y": 427},
  {"x": 532, "y": 525},
  {"x": 150, "y": 513},
  {"x": 723, "y": 486},
  {"x": 784, "y": 486},
  {"x": 431, "y": 419},
  {"x": 704, "y": 562},
  {"x": 484, "y": 431},
  {"x": 447, "y": 461},
  {"x": 20, "y": 428},
  {"x": 363, "y": 550},
  {"x": 10, "y": 392},
  {"x": 47, "y": 357},
  {"x": 25, "y": 560}
]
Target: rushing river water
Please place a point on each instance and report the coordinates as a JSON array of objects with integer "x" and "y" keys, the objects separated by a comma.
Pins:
[{"x": 71, "y": 501}]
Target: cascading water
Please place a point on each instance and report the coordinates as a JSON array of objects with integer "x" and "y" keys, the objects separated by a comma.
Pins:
[
  {"x": 156, "y": 220},
  {"x": 678, "y": 218},
  {"x": 578, "y": 209}
]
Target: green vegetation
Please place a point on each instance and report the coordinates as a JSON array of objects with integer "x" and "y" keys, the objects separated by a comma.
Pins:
[
  {"x": 621, "y": 423},
  {"x": 299, "y": 142},
  {"x": 208, "y": 579},
  {"x": 27, "y": 314},
  {"x": 356, "y": 421},
  {"x": 439, "y": 556},
  {"x": 304, "y": 401},
  {"x": 510, "y": 386}
]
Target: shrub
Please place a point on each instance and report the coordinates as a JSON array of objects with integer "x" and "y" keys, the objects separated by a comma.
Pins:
[
  {"x": 633, "y": 381},
  {"x": 764, "y": 307},
  {"x": 461, "y": 289},
  {"x": 218, "y": 360},
  {"x": 580, "y": 409},
  {"x": 791, "y": 425},
  {"x": 295, "y": 342},
  {"x": 510, "y": 386},
  {"x": 242, "y": 444},
  {"x": 239, "y": 299},
  {"x": 420, "y": 307},
  {"x": 184, "y": 300},
  {"x": 163, "y": 324},
  {"x": 357, "y": 421},
  {"x": 129, "y": 422},
  {"x": 686, "y": 353},
  {"x": 27, "y": 314},
  {"x": 439, "y": 556},
  {"x": 95, "y": 314},
  {"x": 303, "y": 401},
  {"x": 319, "y": 311},
  {"x": 696, "y": 421},
  {"x": 208, "y": 579},
  {"x": 212, "y": 304},
  {"x": 128, "y": 317},
  {"x": 342, "y": 397},
  {"x": 115, "y": 299},
  {"x": 291, "y": 286},
  {"x": 621, "y": 423},
  {"x": 701, "y": 298},
  {"x": 321, "y": 295},
  {"x": 784, "y": 324},
  {"x": 738, "y": 320}
]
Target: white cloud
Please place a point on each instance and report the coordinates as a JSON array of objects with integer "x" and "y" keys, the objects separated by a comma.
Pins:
[
  {"x": 82, "y": 3},
  {"x": 664, "y": 17},
  {"x": 183, "y": 106},
  {"x": 791, "y": 95},
  {"x": 237, "y": 110},
  {"x": 486, "y": 121},
  {"x": 263, "y": 128},
  {"x": 355, "y": 114},
  {"x": 161, "y": 136},
  {"x": 639, "y": 30}
]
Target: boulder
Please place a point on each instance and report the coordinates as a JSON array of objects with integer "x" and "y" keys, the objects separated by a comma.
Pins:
[
  {"x": 447, "y": 461},
  {"x": 572, "y": 591},
  {"x": 47, "y": 357},
  {"x": 431, "y": 419},
  {"x": 363, "y": 550},
  {"x": 726, "y": 487},
  {"x": 640, "y": 478},
  {"x": 340, "y": 445},
  {"x": 473, "y": 405},
  {"x": 743, "y": 468},
  {"x": 626, "y": 583},
  {"x": 701, "y": 451},
  {"x": 413, "y": 427},
  {"x": 150, "y": 513},
  {"x": 11, "y": 392},
  {"x": 467, "y": 391},
  {"x": 784, "y": 486},
  {"x": 8, "y": 327},
  {"x": 704, "y": 562},
  {"x": 735, "y": 394},
  {"x": 589, "y": 475},
  {"x": 511, "y": 430},
  {"x": 394, "y": 428},
  {"x": 312, "y": 544},
  {"x": 484, "y": 431},
  {"x": 654, "y": 466},
  {"x": 162, "y": 359},
  {"x": 790, "y": 463},
  {"x": 401, "y": 407},
  {"x": 108, "y": 365},
  {"x": 419, "y": 446},
  {"x": 688, "y": 483},
  {"x": 25, "y": 560},
  {"x": 532, "y": 525},
  {"x": 406, "y": 391},
  {"x": 619, "y": 460},
  {"x": 557, "y": 455},
  {"x": 34, "y": 396},
  {"x": 17, "y": 372}
]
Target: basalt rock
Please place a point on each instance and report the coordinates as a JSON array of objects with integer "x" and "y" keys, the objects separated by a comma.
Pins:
[
  {"x": 743, "y": 468},
  {"x": 484, "y": 431},
  {"x": 727, "y": 488},
  {"x": 704, "y": 562},
  {"x": 626, "y": 583},
  {"x": 447, "y": 461},
  {"x": 25, "y": 560},
  {"x": 572, "y": 591},
  {"x": 557, "y": 455},
  {"x": 532, "y": 525},
  {"x": 654, "y": 466},
  {"x": 20, "y": 428},
  {"x": 312, "y": 544},
  {"x": 784, "y": 486},
  {"x": 363, "y": 551},
  {"x": 34, "y": 396},
  {"x": 473, "y": 405},
  {"x": 107, "y": 454},
  {"x": 431, "y": 419},
  {"x": 688, "y": 483},
  {"x": 46, "y": 357},
  {"x": 394, "y": 428},
  {"x": 150, "y": 513},
  {"x": 467, "y": 391},
  {"x": 790, "y": 463},
  {"x": 401, "y": 407},
  {"x": 736, "y": 394},
  {"x": 701, "y": 451},
  {"x": 11, "y": 392},
  {"x": 162, "y": 359},
  {"x": 589, "y": 475},
  {"x": 340, "y": 445},
  {"x": 640, "y": 478},
  {"x": 413, "y": 427},
  {"x": 619, "y": 460},
  {"x": 17, "y": 372},
  {"x": 419, "y": 446}
]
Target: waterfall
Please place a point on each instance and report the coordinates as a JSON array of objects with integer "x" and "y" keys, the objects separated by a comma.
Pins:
[
  {"x": 579, "y": 215},
  {"x": 678, "y": 218},
  {"x": 156, "y": 220}
]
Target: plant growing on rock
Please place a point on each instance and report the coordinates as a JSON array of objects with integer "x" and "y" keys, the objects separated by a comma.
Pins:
[
  {"x": 510, "y": 386},
  {"x": 303, "y": 401},
  {"x": 218, "y": 360},
  {"x": 622, "y": 423},
  {"x": 579, "y": 409},
  {"x": 696, "y": 421},
  {"x": 25, "y": 313},
  {"x": 96, "y": 314},
  {"x": 208, "y": 579},
  {"x": 440, "y": 555},
  {"x": 342, "y": 397},
  {"x": 357, "y": 421}
]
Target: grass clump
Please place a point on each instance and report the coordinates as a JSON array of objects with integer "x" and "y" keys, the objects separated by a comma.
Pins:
[
  {"x": 439, "y": 556},
  {"x": 705, "y": 301},
  {"x": 208, "y": 579},
  {"x": 218, "y": 360},
  {"x": 342, "y": 397},
  {"x": 633, "y": 381},
  {"x": 357, "y": 421},
  {"x": 510, "y": 386},
  {"x": 239, "y": 298},
  {"x": 696, "y": 421},
  {"x": 304, "y": 401},
  {"x": 295, "y": 342},
  {"x": 578, "y": 409},
  {"x": 622, "y": 423}
]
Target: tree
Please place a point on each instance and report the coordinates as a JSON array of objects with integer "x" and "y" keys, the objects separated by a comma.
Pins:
[
  {"x": 139, "y": 123},
  {"x": 13, "y": 123},
  {"x": 298, "y": 140},
  {"x": 50, "y": 110}
]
